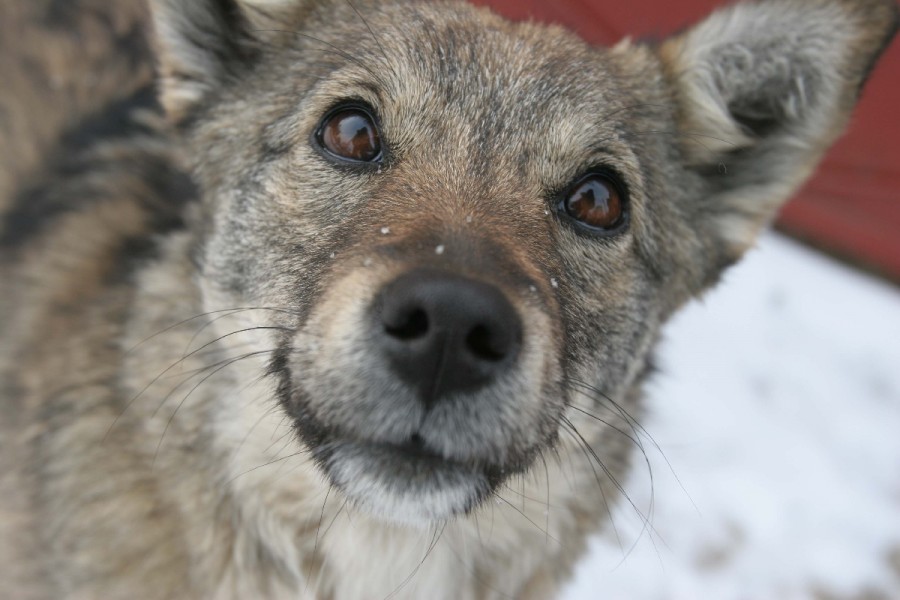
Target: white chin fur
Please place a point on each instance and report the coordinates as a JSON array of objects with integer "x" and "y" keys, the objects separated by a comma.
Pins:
[{"x": 417, "y": 493}]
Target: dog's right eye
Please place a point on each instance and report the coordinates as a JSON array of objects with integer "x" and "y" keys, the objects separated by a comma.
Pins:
[
  {"x": 597, "y": 204},
  {"x": 350, "y": 134}
]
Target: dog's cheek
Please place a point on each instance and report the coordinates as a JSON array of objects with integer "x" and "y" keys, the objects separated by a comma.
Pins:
[{"x": 611, "y": 313}]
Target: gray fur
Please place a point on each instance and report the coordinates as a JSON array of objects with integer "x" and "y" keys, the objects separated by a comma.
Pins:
[{"x": 193, "y": 404}]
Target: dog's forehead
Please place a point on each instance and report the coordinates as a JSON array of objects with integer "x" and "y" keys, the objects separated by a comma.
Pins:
[
  {"x": 462, "y": 77},
  {"x": 475, "y": 62}
]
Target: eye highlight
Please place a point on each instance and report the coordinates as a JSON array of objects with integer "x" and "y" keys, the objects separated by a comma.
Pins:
[
  {"x": 350, "y": 134},
  {"x": 596, "y": 203}
]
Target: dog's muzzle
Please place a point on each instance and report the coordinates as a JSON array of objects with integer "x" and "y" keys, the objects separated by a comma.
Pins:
[{"x": 420, "y": 399}]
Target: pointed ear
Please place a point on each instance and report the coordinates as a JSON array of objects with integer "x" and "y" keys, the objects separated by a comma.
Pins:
[
  {"x": 763, "y": 89},
  {"x": 201, "y": 43}
]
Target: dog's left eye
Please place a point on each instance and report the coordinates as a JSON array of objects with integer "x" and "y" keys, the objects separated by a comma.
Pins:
[
  {"x": 351, "y": 134},
  {"x": 596, "y": 203}
]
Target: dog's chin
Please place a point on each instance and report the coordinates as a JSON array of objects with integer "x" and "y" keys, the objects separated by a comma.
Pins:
[{"x": 405, "y": 484}]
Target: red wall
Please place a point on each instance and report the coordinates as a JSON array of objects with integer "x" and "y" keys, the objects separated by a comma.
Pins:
[{"x": 852, "y": 205}]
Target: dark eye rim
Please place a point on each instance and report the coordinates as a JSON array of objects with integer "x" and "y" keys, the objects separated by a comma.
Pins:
[
  {"x": 616, "y": 182},
  {"x": 318, "y": 139}
]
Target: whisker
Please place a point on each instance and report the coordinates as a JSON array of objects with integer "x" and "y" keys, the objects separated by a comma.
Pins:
[
  {"x": 215, "y": 367},
  {"x": 580, "y": 442},
  {"x": 525, "y": 496},
  {"x": 434, "y": 542},
  {"x": 202, "y": 315},
  {"x": 475, "y": 574},
  {"x": 271, "y": 410},
  {"x": 193, "y": 389},
  {"x": 639, "y": 430},
  {"x": 599, "y": 396},
  {"x": 647, "y": 526},
  {"x": 277, "y": 440},
  {"x": 547, "y": 483},
  {"x": 599, "y": 462},
  {"x": 209, "y": 324},
  {"x": 282, "y": 449},
  {"x": 334, "y": 520},
  {"x": 635, "y": 439},
  {"x": 645, "y": 456},
  {"x": 332, "y": 49},
  {"x": 318, "y": 529},
  {"x": 271, "y": 462},
  {"x": 478, "y": 533},
  {"x": 172, "y": 366},
  {"x": 372, "y": 33},
  {"x": 527, "y": 518}
]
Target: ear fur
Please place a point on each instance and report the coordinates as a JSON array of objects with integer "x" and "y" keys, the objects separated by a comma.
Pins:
[
  {"x": 763, "y": 89},
  {"x": 200, "y": 43}
]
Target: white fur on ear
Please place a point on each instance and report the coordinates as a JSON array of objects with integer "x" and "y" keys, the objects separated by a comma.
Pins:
[
  {"x": 778, "y": 62},
  {"x": 199, "y": 42},
  {"x": 763, "y": 89}
]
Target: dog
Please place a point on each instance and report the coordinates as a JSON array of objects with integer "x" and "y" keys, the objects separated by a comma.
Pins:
[{"x": 333, "y": 299}]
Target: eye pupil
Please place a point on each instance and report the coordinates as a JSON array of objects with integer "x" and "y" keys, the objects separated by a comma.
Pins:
[
  {"x": 351, "y": 134},
  {"x": 596, "y": 202}
]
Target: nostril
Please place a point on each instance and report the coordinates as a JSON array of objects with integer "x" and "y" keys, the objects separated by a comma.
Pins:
[
  {"x": 411, "y": 326},
  {"x": 482, "y": 344}
]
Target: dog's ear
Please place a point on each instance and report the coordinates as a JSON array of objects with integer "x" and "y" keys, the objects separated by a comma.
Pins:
[
  {"x": 201, "y": 43},
  {"x": 763, "y": 88}
]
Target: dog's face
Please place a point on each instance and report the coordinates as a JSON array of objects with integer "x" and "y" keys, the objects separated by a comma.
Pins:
[{"x": 459, "y": 224}]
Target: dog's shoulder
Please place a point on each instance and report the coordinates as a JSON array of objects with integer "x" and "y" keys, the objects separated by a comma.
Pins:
[
  {"x": 59, "y": 62},
  {"x": 88, "y": 180}
]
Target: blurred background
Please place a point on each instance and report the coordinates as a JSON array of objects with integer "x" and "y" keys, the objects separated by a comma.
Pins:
[
  {"x": 775, "y": 450},
  {"x": 773, "y": 429}
]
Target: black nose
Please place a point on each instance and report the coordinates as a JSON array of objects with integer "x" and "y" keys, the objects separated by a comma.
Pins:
[{"x": 444, "y": 333}]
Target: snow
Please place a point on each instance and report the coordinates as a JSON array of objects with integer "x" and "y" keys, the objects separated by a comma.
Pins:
[{"x": 778, "y": 408}]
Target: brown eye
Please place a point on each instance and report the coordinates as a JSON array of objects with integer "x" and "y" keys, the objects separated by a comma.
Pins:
[
  {"x": 351, "y": 134},
  {"x": 596, "y": 202}
]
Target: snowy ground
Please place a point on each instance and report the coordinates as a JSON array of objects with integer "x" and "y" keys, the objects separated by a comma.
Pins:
[{"x": 779, "y": 410}]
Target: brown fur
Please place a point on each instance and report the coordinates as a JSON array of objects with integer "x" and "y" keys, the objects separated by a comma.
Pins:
[
  {"x": 187, "y": 364},
  {"x": 60, "y": 62}
]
